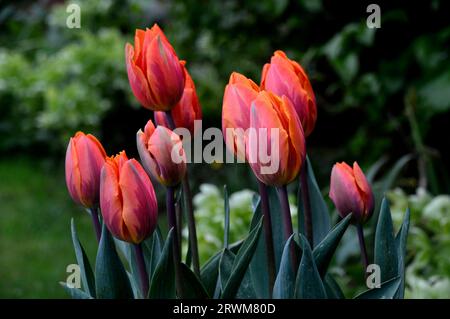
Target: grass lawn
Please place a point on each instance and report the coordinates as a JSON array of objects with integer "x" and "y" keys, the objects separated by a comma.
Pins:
[{"x": 35, "y": 242}]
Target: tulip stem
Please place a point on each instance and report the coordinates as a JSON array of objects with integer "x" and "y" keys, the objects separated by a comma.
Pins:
[
  {"x": 191, "y": 224},
  {"x": 265, "y": 208},
  {"x": 362, "y": 246},
  {"x": 171, "y": 217},
  {"x": 287, "y": 219},
  {"x": 306, "y": 205},
  {"x": 170, "y": 120},
  {"x": 96, "y": 222},
  {"x": 143, "y": 275}
]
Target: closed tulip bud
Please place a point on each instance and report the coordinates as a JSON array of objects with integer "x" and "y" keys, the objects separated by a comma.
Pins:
[
  {"x": 85, "y": 157},
  {"x": 187, "y": 110},
  {"x": 156, "y": 75},
  {"x": 162, "y": 154},
  {"x": 351, "y": 193},
  {"x": 128, "y": 201},
  {"x": 279, "y": 134},
  {"x": 283, "y": 76},
  {"x": 239, "y": 94}
]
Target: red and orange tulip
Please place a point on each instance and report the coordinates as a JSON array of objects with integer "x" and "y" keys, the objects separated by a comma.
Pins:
[
  {"x": 239, "y": 94},
  {"x": 128, "y": 201},
  {"x": 162, "y": 154},
  {"x": 283, "y": 76},
  {"x": 156, "y": 75},
  {"x": 351, "y": 193},
  {"x": 269, "y": 111},
  {"x": 187, "y": 110},
  {"x": 85, "y": 157}
]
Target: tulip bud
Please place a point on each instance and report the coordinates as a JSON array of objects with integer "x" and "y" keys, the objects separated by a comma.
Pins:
[
  {"x": 127, "y": 199},
  {"x": 283, "y": 76},
  {"x": 162, "y": 154},
  {"x": 351, "y": 193},
  {"x": 85, "y": 157},
  {"x": 239, "y": 94},
  {"x": 156, "y": 75},
  {"x": 187, "y": 109},
  {"x": 285, "y": 150}
]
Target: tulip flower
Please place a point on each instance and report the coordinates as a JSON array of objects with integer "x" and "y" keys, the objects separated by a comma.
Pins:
[
  {"x": 85, "y": 157},
  {"x": 239, "y": 94},
  {"x": 127, "y": 199},
  {"x": 283, "y": 76},
  {"x": 187, "y": 110},
  {"x": 269, "y": 113},
  {"x": 155, "y": 74},
  {"x": 351, "y": 193},
  {"x": 162, "y": 154}
]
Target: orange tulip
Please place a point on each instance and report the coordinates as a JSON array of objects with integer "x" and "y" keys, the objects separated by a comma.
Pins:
[
  {"x": 269, "y": 111},
  {"x": 154, "y": 71},
  {"x": 85, "y": 157},
  {"x": 283, "y": 76},
  {"x": 351, "y": 193},
  {"x": 128, "y": 201},
  {"x": 162, "y": 154},
  {"x": 239, "y": 94},
  {"x": 187, "y": 109}
]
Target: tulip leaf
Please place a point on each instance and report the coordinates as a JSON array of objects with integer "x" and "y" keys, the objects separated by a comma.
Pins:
[
  {"x": 191, "y": 285},
  {"x": 308, "y": 284},
  {"x": 210, "y": 272},
  {"x": 278, "y": 233},
  {"x": 241, "y": 263},
  {"x": 400, "y": 242},
  {"x": 285, "y": 282},
  {"x": 152, "y": 250},
  {"x": 75, "y": 293},
  {"x": 385, "y": 256},
  {"x": 332, "y": 288},
  {"x": 387, "y": 290},
  {"x": 325, "y": 250},
  {"x": 162, "y": 285},
  {"x": 111, "y": 280},
  {"x": 225, "y": 266},
  {"x": 320, "y": 215},
  {"x": 258, "y": 265},
  {"x": 87, "y": 276},
  {"x": 227, "y": 218}
]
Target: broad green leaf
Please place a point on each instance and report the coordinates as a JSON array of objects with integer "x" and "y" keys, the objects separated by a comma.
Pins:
[
  {"x": 152, "y": 251},
  {"x": 162, "y": 285},
  {"x": 319, "y": 209},
  {"x": 210, "y": 272},
  {"x": 400, "y": 242},
  {"x": 241, "y": 263},
  {"x": 387, "y": 290},
  {"x": 225, "y": 267},
  {"x": 332, "y": 288},
  {"x": 389, "y": 179},
  {"x": 324, "y": 251},
  {"x": 279, "y": 238},
  {"x": 87, "y": 276},
  {"x": 111, "y": 280},
  {"x": 75, "y": 293},
  {"x": 192, "y": 287},
  {"x": 308, "y": 284},
  {"x": 386, "y": 255},
  {"x": 285, "y": 282},
  {"x": 375, "y": 168}
]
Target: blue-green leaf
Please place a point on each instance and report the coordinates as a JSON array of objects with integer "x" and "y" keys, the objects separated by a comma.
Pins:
[
  {"x": 332, "y": 288},
  {"x": 191, "y": 285},
  {"x": 241, "y": 263},
  {"x": 210, "y": 272},
  {"x": 319, "y": 209},
  {"x": 87, "y": 276},
  {"x": 325, "y": 250},
  {"x": 387, "y": 290},
  {"x": 162, "y": 285},
  {"x": 386, "y": 255},
  {"x": 111, "y": 280},
  {"x": 308, "y": 284},
  {"x": 285, "y": 282},
  {"x": 75, "y": 293},
  {"x": 400, "y": 242}
]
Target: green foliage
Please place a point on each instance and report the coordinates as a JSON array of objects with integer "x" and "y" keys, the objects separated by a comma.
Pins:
[{"x": 428, "y": 268}]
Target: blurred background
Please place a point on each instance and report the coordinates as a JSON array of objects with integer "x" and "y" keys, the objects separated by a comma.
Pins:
[{"x": 383, "y": 99}]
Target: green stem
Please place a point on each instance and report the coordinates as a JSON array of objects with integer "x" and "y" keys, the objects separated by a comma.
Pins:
[
  {"x": 265, "y": 208},
  {"x": 143, "y": 275},
  {"x": 191, "y": 224},
  {"x": 96, "y": 223},
  {"x": 362, "y": 246},
  {"x": 307, "y": 215},
  {"x": 287, "y": 220}
]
